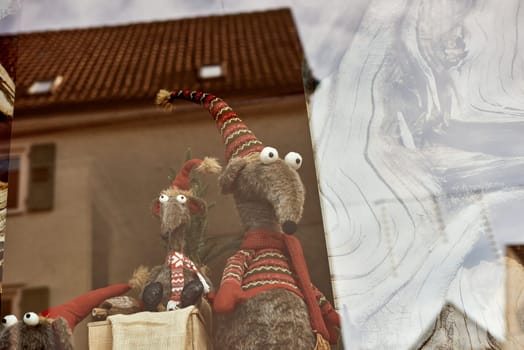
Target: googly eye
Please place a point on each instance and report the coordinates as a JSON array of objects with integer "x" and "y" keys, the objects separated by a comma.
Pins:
[
  {"x": 163, "y": 198},
  {"x": 268, "y": 155},
  {"x": 181, "y": 198},
  {"x": 31, "y": 319},
  {"x": 9, "y": 320},
  {"x": 294, "y": 160}
]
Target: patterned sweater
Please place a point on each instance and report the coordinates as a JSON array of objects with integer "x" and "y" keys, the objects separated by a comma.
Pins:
[
  {"x": 260, "y": 270},
  {"x": 268, "y": 260}
]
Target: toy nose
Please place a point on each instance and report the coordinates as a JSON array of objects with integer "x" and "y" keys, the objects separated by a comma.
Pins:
[{"x": 289, "y": 227}]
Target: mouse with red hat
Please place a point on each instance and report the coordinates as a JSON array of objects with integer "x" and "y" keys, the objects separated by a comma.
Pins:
[{"x": 53, "y": 328}]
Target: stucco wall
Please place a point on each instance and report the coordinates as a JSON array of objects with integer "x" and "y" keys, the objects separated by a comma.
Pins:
[{"x": 53, "y": 248}]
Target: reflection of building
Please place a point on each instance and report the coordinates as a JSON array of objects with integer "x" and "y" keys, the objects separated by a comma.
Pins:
[
  {"x": 97, "y": 151},
  {"x": 7, "y": 95}
]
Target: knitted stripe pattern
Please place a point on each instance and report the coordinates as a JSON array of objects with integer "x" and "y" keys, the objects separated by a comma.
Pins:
[
  {"x": 237, "y": 137},
  {"x": 182, "y": 180},
  {"x": 256, "y": 271},
  {"x": 178, "y": 261},
  {"x": 268, "y": 260}
]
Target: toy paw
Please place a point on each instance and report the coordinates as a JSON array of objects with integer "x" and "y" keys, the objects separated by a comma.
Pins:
[
  {"x": 152, "y": 296},
  {"x": 192, "y": 293},
  {"x": 227, "y": 298},
  {"x": 116, "y": 305}
]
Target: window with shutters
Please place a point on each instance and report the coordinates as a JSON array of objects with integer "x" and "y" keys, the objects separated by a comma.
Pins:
[
  {"x": 17, "y": 178},
  {"x": 30, "y": 178}
]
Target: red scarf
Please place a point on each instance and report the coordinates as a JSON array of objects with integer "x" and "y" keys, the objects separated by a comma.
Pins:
[{"x": 266, "y": 239}]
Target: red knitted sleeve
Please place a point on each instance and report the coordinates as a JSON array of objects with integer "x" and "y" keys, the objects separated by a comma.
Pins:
[{"x": 230, "y": 292}]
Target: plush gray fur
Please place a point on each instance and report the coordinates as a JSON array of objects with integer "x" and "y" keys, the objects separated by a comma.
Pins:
[
  {"x": 272, "y": 320},
  {"x": 266, "y": 196},
  {"x": 48, "y": 334},
  {"x": 175, "y": 217}
]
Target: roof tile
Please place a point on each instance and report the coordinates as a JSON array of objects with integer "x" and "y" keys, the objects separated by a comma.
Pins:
[{"x": 260, "y": 51}]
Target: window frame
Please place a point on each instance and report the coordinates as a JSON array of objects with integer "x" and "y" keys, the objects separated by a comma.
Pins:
[{"x": 22, "y": 153}]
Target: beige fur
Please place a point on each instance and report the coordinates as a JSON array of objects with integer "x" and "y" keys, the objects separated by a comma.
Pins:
[
  {"x": 209, "y": 166},
  {"x": 139, "y": 278},
  {"x": 162, "y": 99}
]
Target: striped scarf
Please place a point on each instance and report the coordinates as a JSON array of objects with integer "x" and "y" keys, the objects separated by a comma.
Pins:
[{"x": 178, "y": 261}]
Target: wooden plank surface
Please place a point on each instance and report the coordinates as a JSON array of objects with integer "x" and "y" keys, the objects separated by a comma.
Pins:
[{"x": 419, "y": 153}]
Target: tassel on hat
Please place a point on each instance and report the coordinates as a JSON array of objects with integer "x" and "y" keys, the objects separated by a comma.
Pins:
[
  {"x": 237, "y": 137},
  {"x": 74, "y": 311},
  {"x": 183, "y": 178}
]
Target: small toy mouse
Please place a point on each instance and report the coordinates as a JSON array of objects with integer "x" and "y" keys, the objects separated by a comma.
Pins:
[
  {"x": 178, "y": 282},
  {"x": 53, "y": 328}
]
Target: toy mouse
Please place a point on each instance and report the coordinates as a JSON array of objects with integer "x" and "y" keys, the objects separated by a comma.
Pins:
[
  {"x": 266, "y": 299},
  {"x": 178, "y": 282},
  {"x": 53, "y": 328}
]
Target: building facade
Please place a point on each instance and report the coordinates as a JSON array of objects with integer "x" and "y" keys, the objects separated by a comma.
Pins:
[{"x": 92, "y": 151}]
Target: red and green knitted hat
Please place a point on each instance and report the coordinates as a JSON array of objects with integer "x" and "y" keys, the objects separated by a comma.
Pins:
[{"x": 237, "y": 137}]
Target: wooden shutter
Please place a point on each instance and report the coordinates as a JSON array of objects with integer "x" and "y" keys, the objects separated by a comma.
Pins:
[{"x": 41, "y": 177}]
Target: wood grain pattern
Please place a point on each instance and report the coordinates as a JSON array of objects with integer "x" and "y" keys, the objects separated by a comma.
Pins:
[
  {"x": 419, "y": 156},
  {"x": 454, "y": 330},
  {"x": 514, "y": 302}
]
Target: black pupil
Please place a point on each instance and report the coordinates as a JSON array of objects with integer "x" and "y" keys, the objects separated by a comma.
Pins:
[
  {"x": 297, "y": 161},
  {"x": 4, "y": 320},
  {"x": 27, "y": 315},
  {"x": 270, "y": 154}
]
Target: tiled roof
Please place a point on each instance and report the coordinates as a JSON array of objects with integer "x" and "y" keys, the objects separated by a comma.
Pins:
[{"x": 260, "y": 51}]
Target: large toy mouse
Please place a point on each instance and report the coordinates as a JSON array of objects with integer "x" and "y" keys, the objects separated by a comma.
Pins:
[
  {"x": 178, "y": 282},
  {"x": 53, "y": 328},
  {"x": 266, "y": 299}
]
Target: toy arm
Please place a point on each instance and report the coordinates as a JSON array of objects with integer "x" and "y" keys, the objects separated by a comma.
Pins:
[
  {"x": 230, "y": 292},
  {"x": 330, "y": 316}
]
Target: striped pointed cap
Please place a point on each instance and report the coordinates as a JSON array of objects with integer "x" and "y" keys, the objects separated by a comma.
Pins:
[
  {"x": 182, "y": 180},
  {"x": 237, "y": 137},
  {"x": 203, "y": 166}
]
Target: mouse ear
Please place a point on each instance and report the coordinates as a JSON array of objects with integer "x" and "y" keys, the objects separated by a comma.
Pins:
[
  {"x": 227, "y": 179},
  {"x": 155, "y": 207},
  {"x": 196, "y": 205}
]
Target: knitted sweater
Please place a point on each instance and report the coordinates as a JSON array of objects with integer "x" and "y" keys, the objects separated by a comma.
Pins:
[
  {"x": 265, "y": 262},
  {"x": 260, "y": 270}
]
